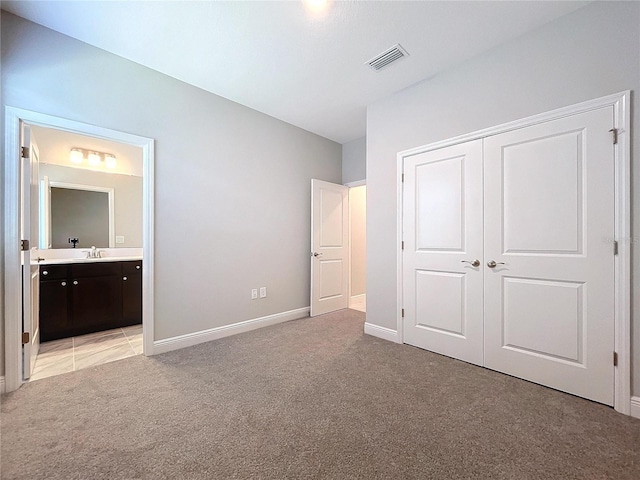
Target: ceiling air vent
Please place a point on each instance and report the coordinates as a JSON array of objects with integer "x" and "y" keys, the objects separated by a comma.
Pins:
[{"x": 387, "y": 57}]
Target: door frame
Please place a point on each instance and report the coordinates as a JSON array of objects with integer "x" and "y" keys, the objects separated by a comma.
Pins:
[
  {"x": 622, "y": 262},
  {"x": 12, "y": 297}
]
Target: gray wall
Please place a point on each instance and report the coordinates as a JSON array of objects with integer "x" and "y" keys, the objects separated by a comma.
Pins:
[
  {"x": 354, "y": 160},
  {"x": 232, "y": 185},
  {"x": 127, "y": 193},
  {"x": 585, "y": 55}
]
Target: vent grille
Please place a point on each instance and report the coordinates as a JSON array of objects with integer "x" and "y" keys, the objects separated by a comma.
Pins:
[{"x": 387, "y": 57}]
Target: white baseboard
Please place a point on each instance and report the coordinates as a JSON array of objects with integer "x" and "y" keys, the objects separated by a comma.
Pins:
[
  {"x": 2, "y": 385},
  {"x": 635, "y": 407},
  {"x": 381, "y": 332},
  {"x": 190, "y": 339}
]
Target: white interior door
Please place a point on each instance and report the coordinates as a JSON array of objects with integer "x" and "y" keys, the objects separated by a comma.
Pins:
[
  {"x": 442, "y": 256},
  {"x": 329, "y": 247},
  {"x": 29, "y": 221},
  {"x": 549, "y": 210}
]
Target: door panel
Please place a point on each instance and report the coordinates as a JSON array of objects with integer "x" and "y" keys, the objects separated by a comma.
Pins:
[
  {"x": 442, "y": 203},
  {"x": 329, "y": 247},
  {"x": 549, "y": 208},
  {"x": 29, "y": 203}
]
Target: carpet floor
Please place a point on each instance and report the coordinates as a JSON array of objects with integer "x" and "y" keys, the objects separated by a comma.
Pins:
[{"x": 311, "y": 398}]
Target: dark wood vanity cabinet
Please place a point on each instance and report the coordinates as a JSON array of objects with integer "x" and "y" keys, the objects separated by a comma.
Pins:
[{"x": 81, "y": 298}]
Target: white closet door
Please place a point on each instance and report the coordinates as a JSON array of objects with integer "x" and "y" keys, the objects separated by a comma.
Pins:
[
  {"x": 549, "y": 222},
  {"x": 442, "y": 204}
]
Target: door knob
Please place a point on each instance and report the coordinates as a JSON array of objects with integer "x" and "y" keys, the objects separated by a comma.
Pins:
[
  {"x": 316, "y": 254},
  {"x": 475, "y": 263},
  {"x": 493, "y": 264},
  {"x": 75, "y": 282}
]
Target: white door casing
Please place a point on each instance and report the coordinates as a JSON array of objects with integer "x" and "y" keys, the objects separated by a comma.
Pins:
[
  {"x": 549, "y": 210},
  {"x": 614, "y": 114},
  {"x": 442, "y": 253},
  {"x": 14, "y": 118},
  {"x": 329, "y": 247}
]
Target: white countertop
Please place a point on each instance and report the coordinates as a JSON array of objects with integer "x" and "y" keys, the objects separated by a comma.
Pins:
[{"x": 57, "y": 261}]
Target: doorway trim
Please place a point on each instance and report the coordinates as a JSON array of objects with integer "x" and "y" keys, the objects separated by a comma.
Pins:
[
  {"x": 12, "y": 297},
  {"x": 622, "y": 231}
]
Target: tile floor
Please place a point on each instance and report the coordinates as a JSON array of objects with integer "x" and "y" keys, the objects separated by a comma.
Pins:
[{"x": 70, "y": 354}]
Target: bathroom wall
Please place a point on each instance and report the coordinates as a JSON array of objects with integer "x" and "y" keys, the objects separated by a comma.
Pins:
[{"x": 127, "y": 197}]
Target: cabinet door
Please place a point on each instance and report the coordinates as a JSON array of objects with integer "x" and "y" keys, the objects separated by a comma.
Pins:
[
  {"x": 131, "y": 298},
  {"x": 96, "y": 301},
  {"x": 54, "y": 309}
]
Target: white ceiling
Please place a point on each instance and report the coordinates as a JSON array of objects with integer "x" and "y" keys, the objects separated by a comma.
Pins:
[{"x": 279, "y": 58}]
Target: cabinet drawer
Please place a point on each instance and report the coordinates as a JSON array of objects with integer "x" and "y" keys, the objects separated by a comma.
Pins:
[
  {"x": 129, "y": 268},
  {"x": 53, "y": 272},
  {"x": 97, "y": 269}
]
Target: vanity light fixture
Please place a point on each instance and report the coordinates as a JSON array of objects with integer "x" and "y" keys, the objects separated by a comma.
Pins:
[
  {"x": 76, "y": 155},
  {"x": 110, "y": 160},
  {"x": 95, "y": 159}
]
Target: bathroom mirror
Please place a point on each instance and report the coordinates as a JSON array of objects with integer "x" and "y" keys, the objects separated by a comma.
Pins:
[
  {"x": 80, "y": 216},
  {"x": 101, "y": 209}
]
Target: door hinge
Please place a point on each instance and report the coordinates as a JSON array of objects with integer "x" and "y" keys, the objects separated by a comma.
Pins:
[
  {"x": 25, "y": 338},
  {"x": 403, "y": 245},
  {"x": 615, "y": 135},
  {"x": 24, "y": 151},
  {"x": 403, "y": 178},
  {"x": 615, "y": 359},
  {"x": 403, "y": 313},
  {"x": 615, "y": 247},
  {"x": 24, "y": 245}
]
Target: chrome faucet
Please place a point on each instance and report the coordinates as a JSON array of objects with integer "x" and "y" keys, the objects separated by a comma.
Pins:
[{"x": 93, "y": 253}]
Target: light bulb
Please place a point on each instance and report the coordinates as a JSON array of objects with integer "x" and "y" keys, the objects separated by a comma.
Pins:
[
  {"x": 94, "y": 158},
  {"x": 110, "y": 160},
  {"x": 76, "y": 156}
]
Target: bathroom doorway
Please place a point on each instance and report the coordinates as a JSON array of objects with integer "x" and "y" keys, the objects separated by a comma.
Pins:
[{"x": 114, "y": 276}]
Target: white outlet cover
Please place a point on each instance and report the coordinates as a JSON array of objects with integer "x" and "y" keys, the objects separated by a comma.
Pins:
[
  {"x": 254, "y": 294},
  {"x": 119, "y": 238},
  {"x": 263, "y": 292}
]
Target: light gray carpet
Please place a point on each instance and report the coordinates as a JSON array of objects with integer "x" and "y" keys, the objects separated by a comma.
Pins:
[{"x": 312, "y": 398}]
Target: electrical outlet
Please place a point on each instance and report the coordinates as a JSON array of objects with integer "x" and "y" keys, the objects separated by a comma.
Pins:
[
  {"x": 263, "y": 292},
  {"x": 254, "y": 293},
  {"x": 119, "y": 238}
]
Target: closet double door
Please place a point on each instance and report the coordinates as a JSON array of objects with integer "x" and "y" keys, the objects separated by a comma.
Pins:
[{"x": 508, "y": 260}]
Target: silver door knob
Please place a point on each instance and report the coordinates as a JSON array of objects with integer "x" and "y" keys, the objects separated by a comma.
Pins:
[
  {"x": 45, "y": 272},
  {"x": 475, "y": 263},
  {"x": 137, "y": 267},
  {"x": 316, "y": 254},
  {"x": 124, "y": 278},
  {"x": 75, "y": 282},
  {"x": 64, "y": 284},
  {"x": 494, "y": 264}
]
